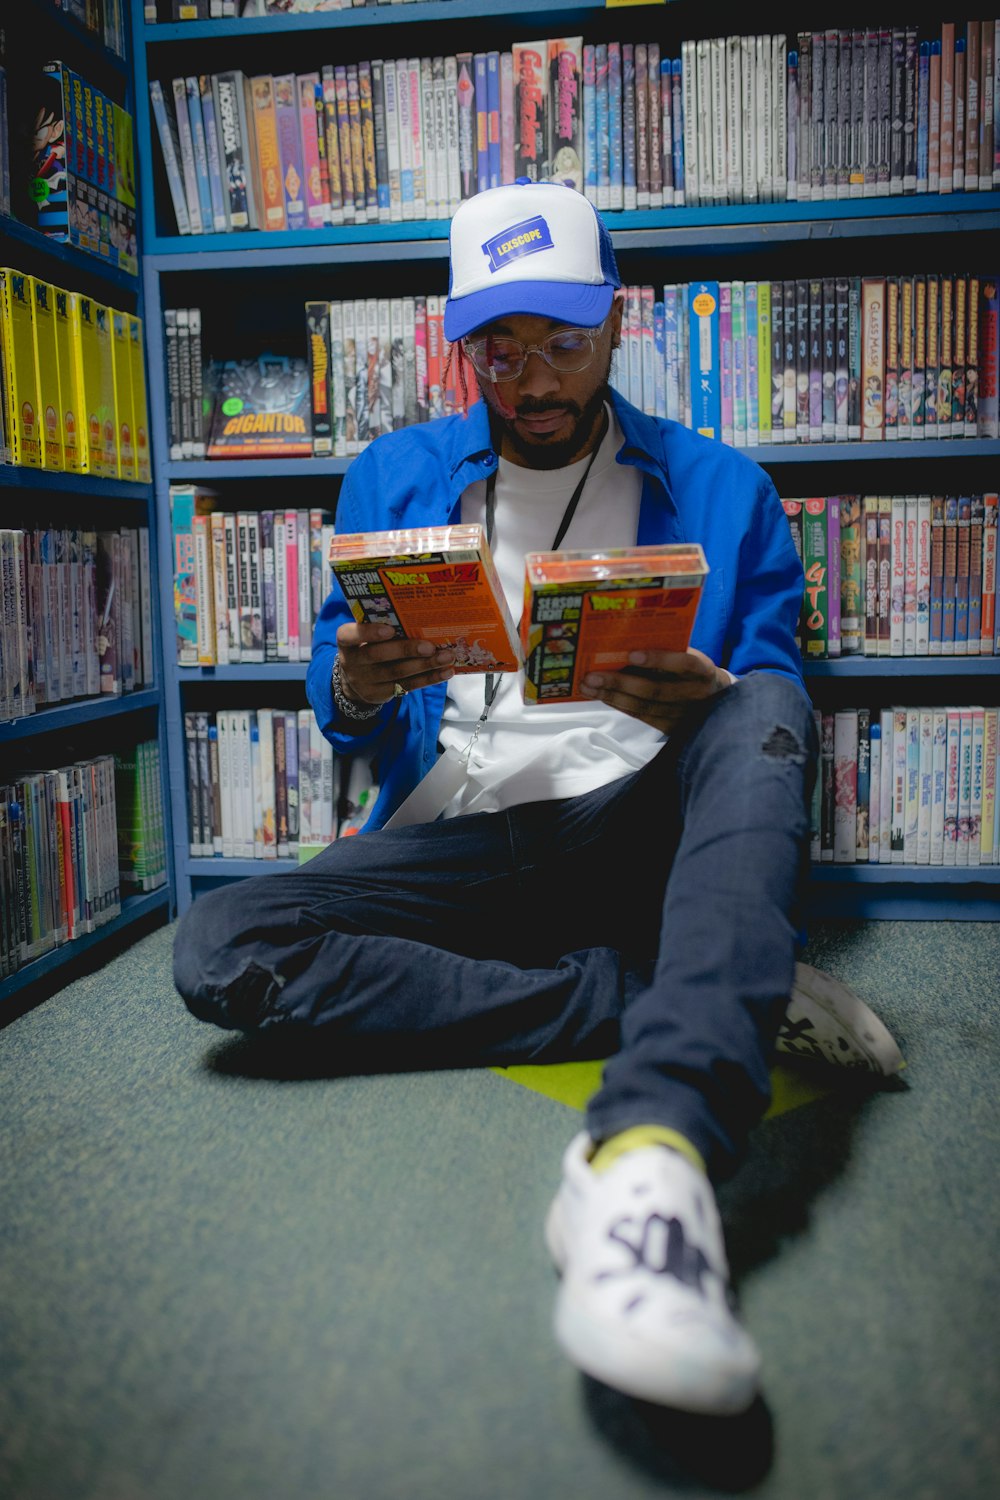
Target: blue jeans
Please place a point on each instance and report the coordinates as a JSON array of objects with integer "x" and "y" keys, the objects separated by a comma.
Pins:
[{"x": 653, "y": 921}]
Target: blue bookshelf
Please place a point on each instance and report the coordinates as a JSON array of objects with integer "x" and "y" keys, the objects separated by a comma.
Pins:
[
  {"x": 28, "y": 496},
  {"x": 673, "y": 231},
  {"x": 730, "y": 237}
]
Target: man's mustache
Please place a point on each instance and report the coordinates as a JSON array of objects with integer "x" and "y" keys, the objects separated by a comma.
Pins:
[{"x": 542, "y": 408}]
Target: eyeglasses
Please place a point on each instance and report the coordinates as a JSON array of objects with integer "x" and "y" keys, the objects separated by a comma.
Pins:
[{"x": 565, "y": 350}]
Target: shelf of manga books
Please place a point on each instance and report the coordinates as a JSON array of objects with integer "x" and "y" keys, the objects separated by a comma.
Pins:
[
  {"x": 83, "y": 853},
  {"x": 839, "y": 126}
]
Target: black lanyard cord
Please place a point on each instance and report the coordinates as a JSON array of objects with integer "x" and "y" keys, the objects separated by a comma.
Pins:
[{"x": 493, "y": 679}]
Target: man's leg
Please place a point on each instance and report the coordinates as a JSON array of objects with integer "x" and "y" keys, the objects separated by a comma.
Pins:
[
  {"x": 644, "y": 1302},
  {"x": 697, "y": 1044},
  {"x": 472, "y": 940}
]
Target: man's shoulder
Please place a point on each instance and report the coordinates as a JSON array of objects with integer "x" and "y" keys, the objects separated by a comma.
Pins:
[
  {"x": 682, "y": 445},
  {"x": 686, "y": 453}
]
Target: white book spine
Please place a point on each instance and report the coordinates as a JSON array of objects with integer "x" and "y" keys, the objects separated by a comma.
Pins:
[
  {"x": 266, "y": 837},
  {"x": 145, "y": 607},
  {"x": 874, "y": 795},
  {"x": 186, "y": 141},
  {"x": 442, "y": 139},
  {"x": 898, "y": 569},
  {"x": 991, "y": 733},
  {"x": 779, "y": 106},
  {"x": 845, "y": 772},
  {"x": 305, "y": 588},
  {"x": 912, "y": 812},
  {"x": 338, "y": 389},
  {"x": 951, "y": 796},
  {"x": 405, "y": 129},
  {"x": 748, "y": 92},
  {"x": 910, "y": 577},
  {"x": 765, "y": 108},
  {"x": 689, "y": 92},
  {"x": 392, "y": 144},
  {"x": 417, "y": 151},
  {"x": 451, "y": 117},
  {"x": 939, "y": 764},
  {"x": 897, "y": 835},
  {"x": 976, "y": 800},
  {"x": 428, "y": 117},
  {"x": 717, "y": 62},
  {"x": 281, "y": 587},
  {"x": 232, "y": 593},
  {"x": 734, "y": 120},
  {"x": 256, "y": 783},
  {"x": 964, "y": 788},
  {"x": 223, "y": 722},
  {"x": 204, "y": 591},
  {"x": 703, "y": 127},
  {"x": 926, "y": 792},
  {"x": 246, "y": 725},
  {"x": 923, "y": 623}
]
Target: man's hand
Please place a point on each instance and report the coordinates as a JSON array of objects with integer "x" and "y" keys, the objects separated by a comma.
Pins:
[
  {"x": 373, "y": 659},
  {"x": 658, "y": 686}
]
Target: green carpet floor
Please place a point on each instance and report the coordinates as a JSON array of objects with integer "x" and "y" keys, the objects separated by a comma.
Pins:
[{"x": 221, "y": 1283}]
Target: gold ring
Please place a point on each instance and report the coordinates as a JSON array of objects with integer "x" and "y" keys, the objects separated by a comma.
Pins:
[{"x": 398, "y": 690}]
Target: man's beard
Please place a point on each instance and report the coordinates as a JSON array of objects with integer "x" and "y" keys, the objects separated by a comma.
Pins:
[{"x": 541, "y": 453}]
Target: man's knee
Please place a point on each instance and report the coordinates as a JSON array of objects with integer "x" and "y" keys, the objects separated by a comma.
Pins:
[
  {"x": 785, "y": 725},
  {"x": 210, "y": 929}
]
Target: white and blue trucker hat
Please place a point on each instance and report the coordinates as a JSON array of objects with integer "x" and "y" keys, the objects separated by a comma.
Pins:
[{"x": 530, "y": 247}]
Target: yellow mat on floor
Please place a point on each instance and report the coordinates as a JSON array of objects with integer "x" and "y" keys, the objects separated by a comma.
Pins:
[{"x": 574, "y": 1084}]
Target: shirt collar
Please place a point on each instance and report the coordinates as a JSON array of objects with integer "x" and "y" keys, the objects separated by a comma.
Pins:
[{"x": 643, "y": 446}]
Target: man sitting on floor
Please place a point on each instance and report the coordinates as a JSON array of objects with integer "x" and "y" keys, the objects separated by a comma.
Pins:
[{"x": 619, "y": 876}]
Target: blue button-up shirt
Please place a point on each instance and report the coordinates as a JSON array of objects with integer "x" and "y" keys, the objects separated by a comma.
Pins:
[{"x": 694, "y": 489}]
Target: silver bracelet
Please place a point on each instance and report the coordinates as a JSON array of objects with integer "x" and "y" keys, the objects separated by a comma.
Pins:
[{"x": 345, "y": 705}]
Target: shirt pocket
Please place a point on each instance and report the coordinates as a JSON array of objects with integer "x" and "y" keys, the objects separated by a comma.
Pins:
[{"x": 711, "y": 626}]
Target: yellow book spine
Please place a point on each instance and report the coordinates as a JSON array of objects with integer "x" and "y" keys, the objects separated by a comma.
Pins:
[
  {"x": 140, "y": 406},
  {"x": 124, "y": 420},
  {"x": 19, "y": 368},
  {"x": 83, "y": 312},
  {"x": 47, "y": 372},
  {"x": 70, "y": 399},
  {"x": 105, "y": 353}
]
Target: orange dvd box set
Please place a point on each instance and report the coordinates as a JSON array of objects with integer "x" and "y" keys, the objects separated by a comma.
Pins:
[{"x": 583, "y": 611}]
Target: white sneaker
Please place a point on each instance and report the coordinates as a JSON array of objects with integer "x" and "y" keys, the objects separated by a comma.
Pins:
[
  {"x": 826, "y": 1020},
  {"x": 644, "y": 1303}
]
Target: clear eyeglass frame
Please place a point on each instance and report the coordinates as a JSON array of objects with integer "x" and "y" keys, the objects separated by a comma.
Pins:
[{"x": 568, "y": 362}]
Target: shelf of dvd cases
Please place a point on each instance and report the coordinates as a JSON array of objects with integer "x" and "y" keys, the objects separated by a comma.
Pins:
[
  {"x": 134, "y": 909},
  {"x": 669, "y": 231},
  {"x": 42, "y": 496}
]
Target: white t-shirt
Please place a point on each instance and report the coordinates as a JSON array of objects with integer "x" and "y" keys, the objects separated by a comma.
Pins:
[{"x": 560, "y": 749}]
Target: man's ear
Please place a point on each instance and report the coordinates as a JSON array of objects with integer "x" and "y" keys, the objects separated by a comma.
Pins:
[{"x": 617, "y": 309}]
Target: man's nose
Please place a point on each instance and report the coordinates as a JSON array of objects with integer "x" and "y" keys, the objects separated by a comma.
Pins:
[{"x": 538, "y": 375}]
